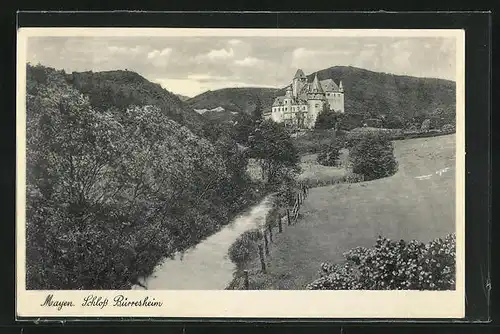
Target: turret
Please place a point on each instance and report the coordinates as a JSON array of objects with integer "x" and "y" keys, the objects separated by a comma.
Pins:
[
  {"x": 315, "y": 101},
  {"x": 289, "y": 92},
  {"x": 298, "y": 82},
  {"x": 341, "y": 87}
]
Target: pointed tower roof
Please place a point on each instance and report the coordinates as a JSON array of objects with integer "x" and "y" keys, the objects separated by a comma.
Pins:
[
  {"x": 315, "y": 86},
  {"x": 299, "y": 74}
]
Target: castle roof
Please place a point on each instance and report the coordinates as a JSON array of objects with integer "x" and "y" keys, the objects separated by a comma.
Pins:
[
  {"x": 329, "y": 85},
  {"x": 299, "y": 74},
  {"x": 315, "y": 86},
  {"x": 278, "y": 101}
]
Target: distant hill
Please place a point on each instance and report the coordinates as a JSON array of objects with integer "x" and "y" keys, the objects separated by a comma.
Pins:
[
  {"x": 183, "y": 97},
  {"x": 368, "y": 93},
  {"x": 234, "y": 99},
  {"x": 121, "y": 88}
]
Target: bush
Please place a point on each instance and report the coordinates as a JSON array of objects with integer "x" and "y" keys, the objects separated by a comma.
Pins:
[
  {"x": 372, "y": 155},
  {"x": 245, "y": 247},
  {"x": 393, "y": 265},
  {"x": 448, "y": 128},
  {"x": 329, "y": 154}
]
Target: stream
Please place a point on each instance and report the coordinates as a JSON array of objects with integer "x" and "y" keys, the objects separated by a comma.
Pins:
[{"x": 206, "y": 266}]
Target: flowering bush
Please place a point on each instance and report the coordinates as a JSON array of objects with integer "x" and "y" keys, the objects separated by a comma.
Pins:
[{"x": 393, "y": 265}]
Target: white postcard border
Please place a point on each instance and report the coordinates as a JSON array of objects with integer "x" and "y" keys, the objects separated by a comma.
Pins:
[{"x": 246, "y": 304}]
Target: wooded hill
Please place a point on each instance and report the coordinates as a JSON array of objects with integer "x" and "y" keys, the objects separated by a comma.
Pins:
[
  {"x": 122, "y": 88},
  {"x": 371, "y": 94}
]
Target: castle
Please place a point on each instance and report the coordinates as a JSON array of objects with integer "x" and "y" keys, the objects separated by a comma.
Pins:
[{"x": 304, "y": 100}]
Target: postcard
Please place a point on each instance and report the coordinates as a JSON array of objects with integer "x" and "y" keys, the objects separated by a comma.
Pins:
[{"x": 240, "y": 173}]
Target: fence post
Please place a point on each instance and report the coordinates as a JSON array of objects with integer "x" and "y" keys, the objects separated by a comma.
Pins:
[
  {"x": 288, "y": 216},
  {"x": 245, "y": 274},
  {"x": 262, "y": 262},
  {"x": 266, "y": 244},
  {"x": 280, "y": 226},
  {"x": 270, "y": 233}
]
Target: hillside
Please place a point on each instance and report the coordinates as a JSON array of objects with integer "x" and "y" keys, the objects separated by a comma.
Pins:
[
  {"x": 375, "y": 93},
  {"x": 368, "y": 93},
  {"x": 183, "y": 97},
  {"x": 122, "y": 88},
  {"x": 404, "y": 206},
  {"x": 234, "y": 99}
]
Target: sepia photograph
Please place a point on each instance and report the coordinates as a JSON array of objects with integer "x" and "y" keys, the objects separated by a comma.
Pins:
[{"x": 171, "y": 167}]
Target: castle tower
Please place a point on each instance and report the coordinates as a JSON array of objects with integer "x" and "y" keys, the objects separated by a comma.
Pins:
[
  {"x": 298, "y": 82},
  {"x": 315, "y": 100},
  {"x": 341, "y": 97}
]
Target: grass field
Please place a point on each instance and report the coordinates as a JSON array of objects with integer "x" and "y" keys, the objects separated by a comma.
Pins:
[{"x": 416, "y": 203}]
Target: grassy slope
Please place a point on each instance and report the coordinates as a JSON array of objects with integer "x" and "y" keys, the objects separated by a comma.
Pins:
[{"x": 340, "y": 217}]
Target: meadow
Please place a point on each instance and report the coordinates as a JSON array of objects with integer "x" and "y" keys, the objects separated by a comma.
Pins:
[{"x": 417, "y": 203}]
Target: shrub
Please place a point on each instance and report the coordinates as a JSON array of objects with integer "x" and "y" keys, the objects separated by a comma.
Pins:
[
  {"x": 245, "y": 247},
  {"x": 372, "y": 155},
  {"x": 329, "y": 154},
  {"x": 425, "y": 125},
  {"x": 393, "y": 265},
  {"x": 448, "y": 128},
  {"x": 353, "y": 178}
]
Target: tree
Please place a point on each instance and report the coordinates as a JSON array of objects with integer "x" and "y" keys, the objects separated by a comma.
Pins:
[
  {"x": 257, "y": 112},
  {"x": 372, "y": 155},
  {"x": 326, "y": 119},
  {"x": 329, "y": 154},
  {"x": 243, "y": 128},
  {"x": 271, "y": 144}
]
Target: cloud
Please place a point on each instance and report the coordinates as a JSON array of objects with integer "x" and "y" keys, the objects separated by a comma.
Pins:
[
  {"x": 160, "y": 58},
  {"x": 247, "y": 61},
  {"x": 206, "y": 77},
  {"x": 234, "y": 42},
  {"x": 159, "y": 53},
  {"x": 220, "y": 54},
  {"x": 311, "y": 59}
]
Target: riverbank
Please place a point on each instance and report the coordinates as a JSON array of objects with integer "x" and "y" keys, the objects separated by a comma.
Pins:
[{"x": 206, "y": 266}]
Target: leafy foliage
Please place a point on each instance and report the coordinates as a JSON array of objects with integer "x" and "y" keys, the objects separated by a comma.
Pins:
[
  {"x": 272, "y": 145},
  {"x": 313, "y": 141},
  {"x": 371, "y": 154},
  {"x": 425, "y": 125},
  {"x": 393, "y": 265},
  {"x": 111, "y": 192},
  {"x": 326, "y": 119},
  {"x": 245, "y": 247},
  {"x": 330, "y": 154}
]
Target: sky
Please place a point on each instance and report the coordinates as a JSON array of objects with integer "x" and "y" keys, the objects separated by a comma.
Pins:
[{"x": 193, "y": 65}]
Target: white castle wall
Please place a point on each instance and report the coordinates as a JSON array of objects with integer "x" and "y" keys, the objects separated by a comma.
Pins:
[{"x": 314, "y": 107}]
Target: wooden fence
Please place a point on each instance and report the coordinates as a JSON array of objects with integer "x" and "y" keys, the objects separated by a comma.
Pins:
[{"x": 289, "y": 218}]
